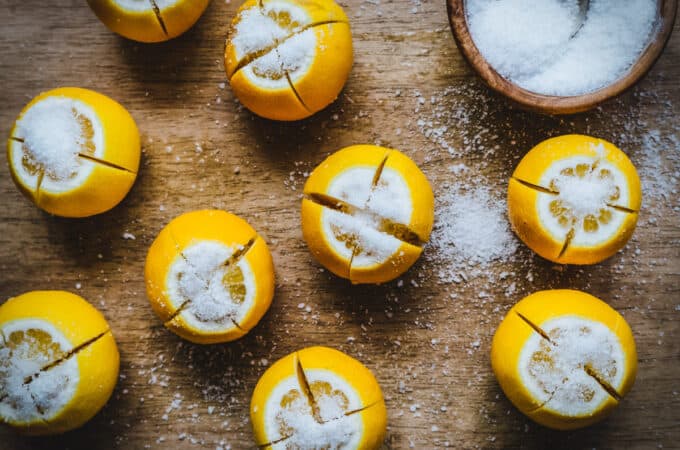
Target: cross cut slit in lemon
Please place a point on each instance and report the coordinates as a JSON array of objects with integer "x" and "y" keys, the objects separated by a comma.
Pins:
[
  {"x": 74, "y": 152},
  {"x": 287, "y": 59},
  {"x": 58, "y": 362},
  {"x": 148, "y": 20},
  {"x": 367, "y": 211},
  {"x": 209, "y": 276},
  {"x": 574, "y": 199},
  {"x": 318, "y": 398},
  {"x": 564, "y": 358}
]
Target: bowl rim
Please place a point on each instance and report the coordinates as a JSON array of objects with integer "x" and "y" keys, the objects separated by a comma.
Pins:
[{"x": 552, "y": 104}]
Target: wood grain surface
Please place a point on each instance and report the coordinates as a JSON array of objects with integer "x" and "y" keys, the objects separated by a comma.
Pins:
[{"x": 426, "y": 339}]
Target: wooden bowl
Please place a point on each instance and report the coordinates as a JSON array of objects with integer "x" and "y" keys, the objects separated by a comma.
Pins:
[{"x": 551, "y": 104}]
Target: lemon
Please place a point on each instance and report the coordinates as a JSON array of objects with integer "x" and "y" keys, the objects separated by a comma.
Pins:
[
  {"x": 564, "y": 358},
  {"x": 58, "y": 362},
  {"x": 318, "y": 397},
  {"x": 288, "y": 59},
  {"x": 149, "y": 20},
  {"x": 209, "y": 276},
  {"x": 74, "y": 152},
  {"x": 574, "y": 199},
  {"x": 366, "y": 213}
]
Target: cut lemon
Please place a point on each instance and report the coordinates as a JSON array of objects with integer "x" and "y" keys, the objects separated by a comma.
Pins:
[
  {"x": 366, "y": 213},
  {"x": 318, "y": 398},
  {"x": 74, "y": 152},
  {"x": 574, "y": 199},
  {"x": 288, "y": 59},
  {"x": 209, "y": 276},
  {"x": 149, "y": 20},
  {"x": 564, "y": 358},
  {"x": 58, "y": 362}
]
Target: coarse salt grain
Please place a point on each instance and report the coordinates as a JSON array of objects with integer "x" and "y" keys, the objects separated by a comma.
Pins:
[{"x": 532, "y": 43}]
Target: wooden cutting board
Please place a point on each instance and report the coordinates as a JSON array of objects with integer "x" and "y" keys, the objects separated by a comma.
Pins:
[{"x": 426, "y": 336}]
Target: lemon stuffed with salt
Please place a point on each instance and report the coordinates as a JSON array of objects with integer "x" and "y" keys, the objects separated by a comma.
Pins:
[
  {"x": 316, "y": 398},
  {"x": 209, "y": 276},
  {"x": 564, "y": 358},
  {"x": 367, "y": 211},
  {"x": 574, "y": 199},
  {"x": 58, "y": 362},
  {"x": 288, "y": 59},
  {"x": 74, "y": 152}
]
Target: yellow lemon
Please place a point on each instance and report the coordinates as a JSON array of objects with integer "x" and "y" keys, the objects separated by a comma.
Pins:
[
  {"x": 149, "y": 20},
  {"x": 574, "y": 199},
  {"x": 318, "y": 398},
  {"x": 74, "y": 152},
  {"x": 209, "y": 276},
  {"x": 564, "y": 358},
  {"x": 58, "y": 362},
  {"x": 366, "y": 213},
  {"x": 288, "y": 59}
]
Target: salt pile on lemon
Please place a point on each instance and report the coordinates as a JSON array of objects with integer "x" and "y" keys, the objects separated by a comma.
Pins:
[
  {"x": 315, "y": 398},
  {"x": 564, "y": 358},
  {"x": 58, "y": 362}
]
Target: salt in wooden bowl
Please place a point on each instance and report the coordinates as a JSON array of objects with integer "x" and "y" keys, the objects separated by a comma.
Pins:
[{"x": 551, "y": 104}]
